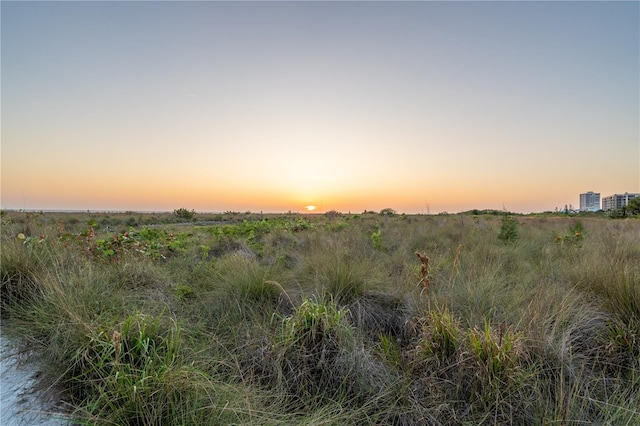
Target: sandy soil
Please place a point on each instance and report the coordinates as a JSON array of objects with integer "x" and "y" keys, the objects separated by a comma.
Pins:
[{"x": 22, "y": 401}]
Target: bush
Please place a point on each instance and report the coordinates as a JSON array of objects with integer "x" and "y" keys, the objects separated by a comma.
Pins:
[
  {"x": 185, "y": 214},
  {"x": 508, "y": 231}
]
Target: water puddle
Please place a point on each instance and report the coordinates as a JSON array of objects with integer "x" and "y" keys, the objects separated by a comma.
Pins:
[{"x": 22, "y": 400}]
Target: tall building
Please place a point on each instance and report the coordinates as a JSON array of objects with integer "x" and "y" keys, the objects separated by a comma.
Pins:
[
  {"x": 617, "y": 201},
  {"x": 590, "y": 202}
]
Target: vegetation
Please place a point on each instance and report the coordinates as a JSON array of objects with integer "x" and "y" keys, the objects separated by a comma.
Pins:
[
  {"x": 508, "y": 229},
  {"x": 631, "y": 209},
  {"x": 185, "y": 214},
  {"x": 241, "y": 318}
]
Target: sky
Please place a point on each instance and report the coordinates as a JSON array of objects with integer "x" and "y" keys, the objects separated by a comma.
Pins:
[{"x": 422, "y": 107}]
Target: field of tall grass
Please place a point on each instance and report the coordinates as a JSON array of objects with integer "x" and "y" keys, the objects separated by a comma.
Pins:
[{"x": 329, "y": 319}]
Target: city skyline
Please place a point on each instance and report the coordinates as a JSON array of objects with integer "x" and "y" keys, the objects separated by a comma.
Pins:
[{"x": 422, "y": 107}]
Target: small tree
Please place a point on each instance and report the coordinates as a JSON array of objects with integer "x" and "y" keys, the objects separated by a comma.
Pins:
[
  {"x": 633, "y": 208},
  {"x": 184, "y": 214},
  {"x": 508, "y": 231}
]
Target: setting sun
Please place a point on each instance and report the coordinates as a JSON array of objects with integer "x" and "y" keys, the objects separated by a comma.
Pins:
[{"x": 310, "y": 208}]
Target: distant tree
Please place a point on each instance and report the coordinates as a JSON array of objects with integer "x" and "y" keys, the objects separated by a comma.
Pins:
[
  {"x": 633, "y": 208},
  {"x": 184, "y": 214},
  {"x": 634, "y": 205}
]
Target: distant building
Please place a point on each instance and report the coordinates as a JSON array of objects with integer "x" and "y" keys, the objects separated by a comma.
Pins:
[
  {"x": 617, "y": 201},
  {"x": 589, "y": 202}
]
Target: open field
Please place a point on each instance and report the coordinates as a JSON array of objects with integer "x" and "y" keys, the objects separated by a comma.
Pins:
[{"x": 243, "y": 318}]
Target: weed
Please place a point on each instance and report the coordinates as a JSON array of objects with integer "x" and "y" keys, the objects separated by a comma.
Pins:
[
  {"x": 204, "y": 251},
  {"x": 424, "y": 271},
  {"x": 497, "y": 350},
  {"x": 390, "y": 351},
  {"x": 440, "y": 335},
  {"x": 574, "y": 236},
  {"x": 376, "y": 237}
]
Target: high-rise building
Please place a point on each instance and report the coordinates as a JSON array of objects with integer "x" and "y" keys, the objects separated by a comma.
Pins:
[
  {"x": 590, "y": 201},
  {"x": 617, "y": 201}
]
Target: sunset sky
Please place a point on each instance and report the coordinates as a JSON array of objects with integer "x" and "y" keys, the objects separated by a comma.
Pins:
[{"x": 422, "y": 107}]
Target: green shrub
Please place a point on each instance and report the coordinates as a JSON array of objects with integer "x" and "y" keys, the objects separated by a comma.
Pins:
[
  {"x": 508, "y": 229},
  {"x": 184, "y": 214},
  {"x": 376, "y": 237}
]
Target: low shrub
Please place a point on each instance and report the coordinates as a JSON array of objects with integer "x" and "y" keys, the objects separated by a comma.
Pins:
[{"x": 508, "y": 229}]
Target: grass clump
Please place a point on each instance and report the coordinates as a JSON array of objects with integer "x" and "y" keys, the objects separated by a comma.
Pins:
[
  {"x": 318, "y": 358},
  {"x": 309, "y": 348},
  {"x": 19, "y": 267},
  {"x": 246, "y": 281},
  {"x": 342, "y": 273},
  {"x": 440, "y": 335},
  {"x": 121, "y": 371}
]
